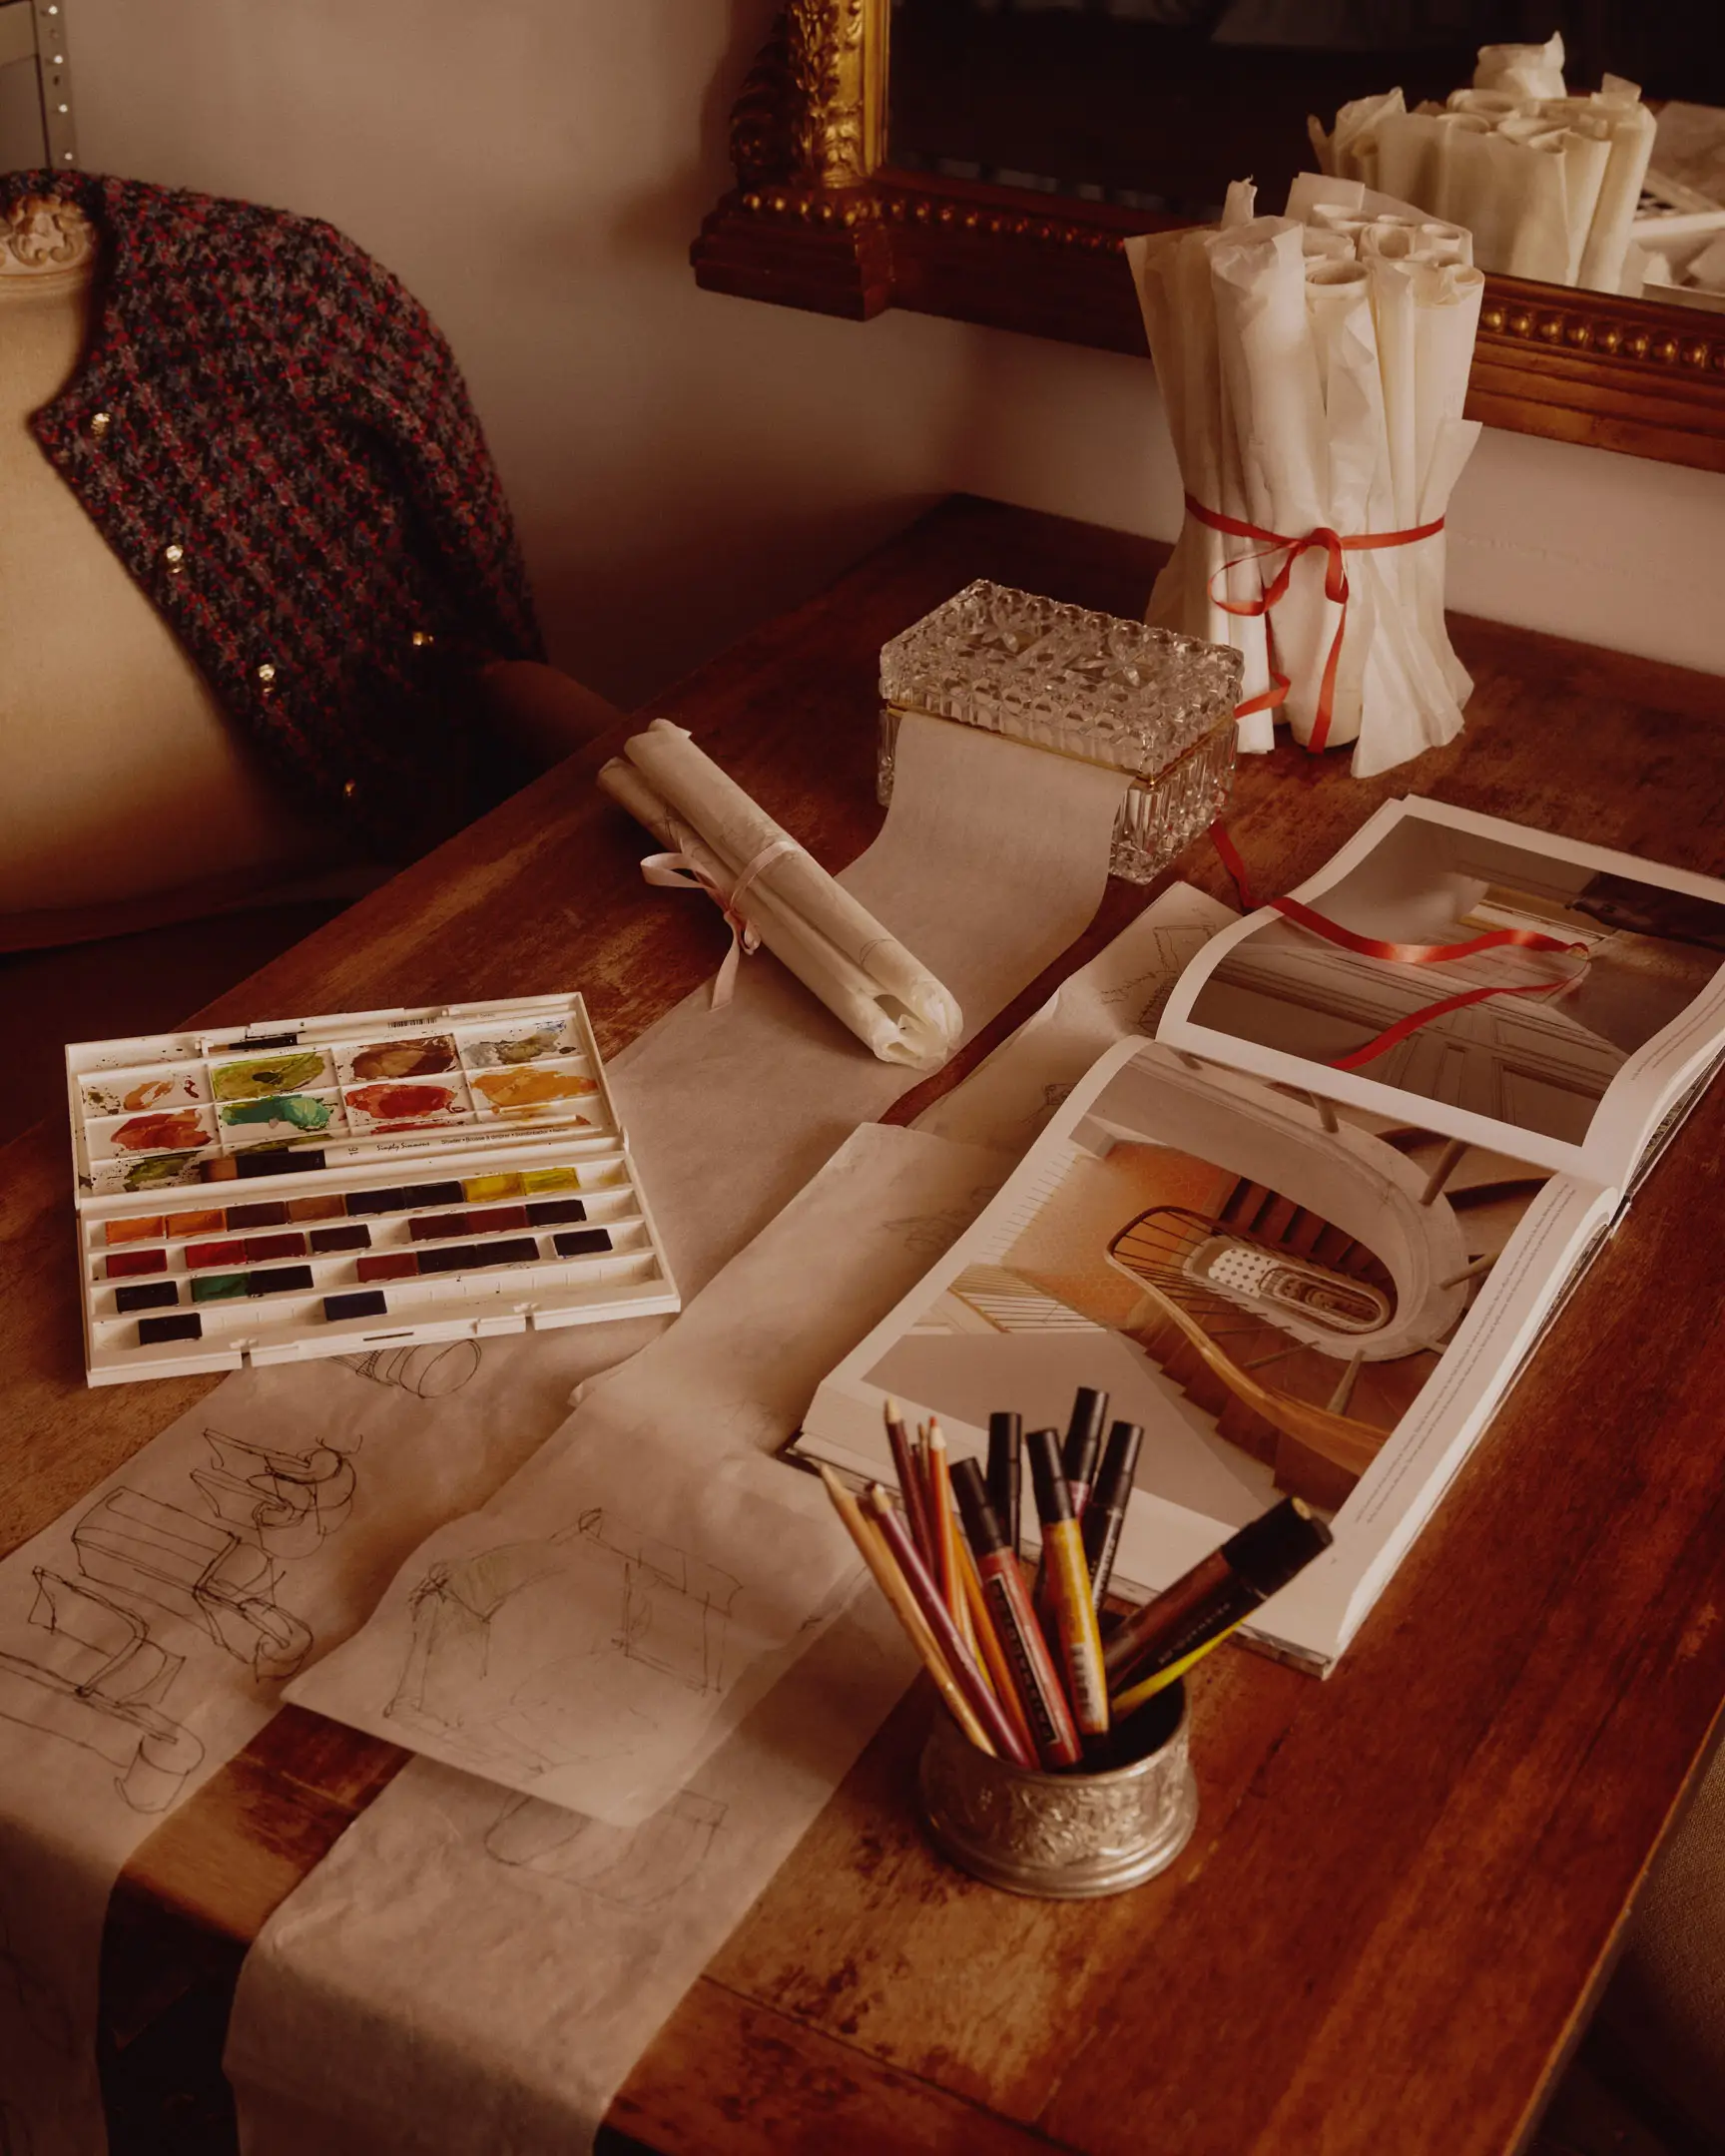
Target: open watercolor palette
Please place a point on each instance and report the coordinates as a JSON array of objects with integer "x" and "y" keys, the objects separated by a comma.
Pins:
[{"x": 408, "y": 1175}]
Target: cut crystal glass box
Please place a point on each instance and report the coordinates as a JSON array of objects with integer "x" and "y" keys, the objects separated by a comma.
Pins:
[{"x": 1084, "y": 685}]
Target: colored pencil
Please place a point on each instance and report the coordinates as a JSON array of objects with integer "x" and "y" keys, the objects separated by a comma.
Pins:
[
  {"x": 912, "y": 1494},
  {"x": 945, "y": 1527},
  {"x": 878, "y": 1556},
  {"x": 1005, "y": 1740}
]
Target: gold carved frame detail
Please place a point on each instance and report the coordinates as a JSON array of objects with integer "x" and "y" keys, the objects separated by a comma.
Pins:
[{"x": 818, "y": 220}]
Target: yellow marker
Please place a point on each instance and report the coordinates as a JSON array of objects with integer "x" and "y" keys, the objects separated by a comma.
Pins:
[
  {"x": 1072, "y": 1613},
  {"x": 1135, "y": 1696}
]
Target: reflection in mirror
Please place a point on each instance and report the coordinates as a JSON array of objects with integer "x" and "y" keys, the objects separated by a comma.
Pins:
[{"x": 1157, "y": 104}]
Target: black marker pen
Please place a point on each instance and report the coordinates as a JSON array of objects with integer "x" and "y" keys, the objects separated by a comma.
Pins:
[
  {"x": 1083, "y": 1443},
  {"x": 1105, "y": 1514},
  {"x": 1006, "y": 1474}
]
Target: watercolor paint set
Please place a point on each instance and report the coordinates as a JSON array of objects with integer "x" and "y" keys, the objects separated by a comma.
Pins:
[{"x": 323, "y": 1185}]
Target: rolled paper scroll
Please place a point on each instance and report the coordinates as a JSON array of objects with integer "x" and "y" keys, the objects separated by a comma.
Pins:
[
  {"x": 770, "y": 887},
  {"x": 1533, "y": 70},
  {"x": 1270, "y": 377},
  {"x": 1631, "y": 131},
  {"x": 1173, "y": 269}
]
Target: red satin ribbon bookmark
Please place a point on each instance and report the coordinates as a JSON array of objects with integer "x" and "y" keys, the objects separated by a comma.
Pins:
[
  {"x": 1235, "y": 866},
  {"x": 1320, "y": 924},
  {"x": 1334, "y": 547}
]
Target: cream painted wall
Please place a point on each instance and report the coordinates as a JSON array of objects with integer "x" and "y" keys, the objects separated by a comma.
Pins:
[{"x": 681, "y": 464}]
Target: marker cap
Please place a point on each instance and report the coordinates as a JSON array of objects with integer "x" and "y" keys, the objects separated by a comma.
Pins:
[
  {"x": 1267, "y": 1551},
  {"x": 1085, "y": 1434},
  {"x": 1047, "y": 1478},
  {"x": 981, "y": 1521},
  {"x": 1113, "y": 1484}
]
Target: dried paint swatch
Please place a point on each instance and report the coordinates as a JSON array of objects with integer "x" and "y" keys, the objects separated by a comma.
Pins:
[
  {"x": 401, "y": 1103},
  {"x": 405, "y": 1058},
  {"x": 161, "y": 1132},
  {"x": 532, "y": 1088},
  {"x": 130, "y": 1094},
  {"x": 156, "y": 1174},
  {"x": 270, "y": 1074},
  {"x": 520, "y": 1048},
  {"x": 303, "y": 1110}
]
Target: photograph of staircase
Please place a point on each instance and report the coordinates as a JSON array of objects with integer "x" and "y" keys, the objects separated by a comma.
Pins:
[{"x": 1278, "y": 1298}]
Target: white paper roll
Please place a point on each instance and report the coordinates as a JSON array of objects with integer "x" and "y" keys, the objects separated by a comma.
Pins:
[
  {"x": 834, "y": 945},
  {"x": 1258, "y": 280},
  {"x": 1522, "y": 70}
]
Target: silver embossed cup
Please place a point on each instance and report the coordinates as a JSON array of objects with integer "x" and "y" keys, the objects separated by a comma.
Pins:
[{"x": 1067, "y": 1836}]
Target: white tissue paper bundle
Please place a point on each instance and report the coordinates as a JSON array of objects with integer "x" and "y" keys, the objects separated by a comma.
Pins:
[
  {"x": 1546, "y": 182},
  {"x": 1313, "y": 367}
]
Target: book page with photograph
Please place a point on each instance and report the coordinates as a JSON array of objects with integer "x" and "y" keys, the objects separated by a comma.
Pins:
[
  {"x": 1567, "y": 1046},
  {"x": 1293, "y": 1295}
]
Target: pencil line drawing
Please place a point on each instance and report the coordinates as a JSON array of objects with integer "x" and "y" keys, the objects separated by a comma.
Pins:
[
  {"x": 433, "y": 1371},
  {"x": 193, "y": 1569},
  {"x": 289, "y": 1501},
  {"x": 99, "y": 1678},
  {"x": 99, "y": 1685},
  {"x": 611, "y": 1597},
  {"x": 1175, "y": 949},
  {"x": 628, "y": 1867},
  {"x": 930, "y": 1235}
]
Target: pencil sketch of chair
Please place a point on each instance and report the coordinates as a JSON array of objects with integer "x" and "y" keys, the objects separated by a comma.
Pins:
[
  {"x": 430, "y": 1373},
  {"x": 195, "y": 1570},
  {"x": 286, "y": 1503},
  {"x": 644, "y": 1600},
  {"x": 100, "y": 1684},
  {"x": 675, "y": 1608},
  {"x": 632, "y": 1868}
]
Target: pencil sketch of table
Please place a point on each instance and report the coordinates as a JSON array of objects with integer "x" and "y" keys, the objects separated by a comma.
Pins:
[{"x": 1407, "y": 1882}]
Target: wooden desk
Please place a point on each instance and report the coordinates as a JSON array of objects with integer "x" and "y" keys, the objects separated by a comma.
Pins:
[{"x": 1407, "y": 1881}]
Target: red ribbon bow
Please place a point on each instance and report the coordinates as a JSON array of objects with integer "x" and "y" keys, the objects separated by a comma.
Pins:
[{"x": 1334, "y": 546}]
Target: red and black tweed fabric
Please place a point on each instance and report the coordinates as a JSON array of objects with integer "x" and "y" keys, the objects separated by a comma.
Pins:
[{"x": 274, "y": 437}]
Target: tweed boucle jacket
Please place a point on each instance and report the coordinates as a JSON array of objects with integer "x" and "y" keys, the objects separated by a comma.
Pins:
[{"x": 274, "y": 437}]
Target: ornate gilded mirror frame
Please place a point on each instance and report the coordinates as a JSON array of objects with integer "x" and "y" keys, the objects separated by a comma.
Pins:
[{"x": 818, "y": 220}]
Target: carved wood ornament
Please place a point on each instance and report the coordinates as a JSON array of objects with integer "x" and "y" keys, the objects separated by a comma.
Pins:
[
  {"x": 818, "y": 220},
  {"x": 45, "y": 238}
]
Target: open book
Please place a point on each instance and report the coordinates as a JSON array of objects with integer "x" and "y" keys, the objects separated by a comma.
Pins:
[{"x": 1308, "y": 1280}]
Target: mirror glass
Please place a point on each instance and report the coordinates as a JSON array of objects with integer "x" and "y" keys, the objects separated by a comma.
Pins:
[{"x": 1157, "y": 104}]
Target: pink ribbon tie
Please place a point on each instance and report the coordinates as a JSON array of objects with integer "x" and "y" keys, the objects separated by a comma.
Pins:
[{"x": 681, "y": 871}]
